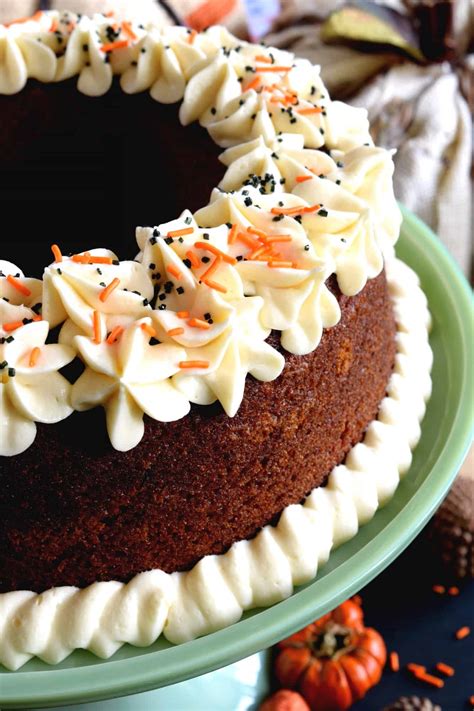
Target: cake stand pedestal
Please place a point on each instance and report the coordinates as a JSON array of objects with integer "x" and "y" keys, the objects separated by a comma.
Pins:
[{"x": 238, "y": 687}]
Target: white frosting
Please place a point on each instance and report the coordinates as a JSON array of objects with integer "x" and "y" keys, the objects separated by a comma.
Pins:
[{"x": 254, "y": 573}]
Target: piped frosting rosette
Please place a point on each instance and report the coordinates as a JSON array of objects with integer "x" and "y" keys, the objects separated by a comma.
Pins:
[
  {"x": 92, "y": 292},
  {"x": 277, "y": 262},
  {"x": 31, "y": 388},
  {"x": 252, "y": 91},
  {"x": 200, "y": 305}
]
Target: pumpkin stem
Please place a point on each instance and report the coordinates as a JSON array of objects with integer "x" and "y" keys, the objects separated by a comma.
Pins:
[{"x": 333, "y": 641}]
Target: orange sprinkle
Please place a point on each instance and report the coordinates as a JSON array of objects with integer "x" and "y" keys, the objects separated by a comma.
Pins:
[
  {"x": 34, "y": 355},
  {"x": 175, "y": 331},
  {"x": 193, "y": 364},
  {"x": 214, "y": 285},
  {"x": 416, "y": 668},
  {"x": 182, "y": 314},
  {"x": 263, "y": 58},
  {"x": 394, "y": 662},
  {"x": 471, "y": 700},
  {"x": 303, "y": 178},
  {"x": 249, "y": 241},
  {"x": 199, "y": 323},
  {"x": 253, "y": 84},
  {"x": 174, "y": 271},
  {"x": 288, "y": 210},
  {"x": 214, "y": 250},
  {"x": 18, "y": 285},
  {"x": 445, "y": 669},
  {"x": 21, "y": 20},
  {"x": 54, "y": 25},
  {"x": 87, "y": 258},
  {"x": 214, "y": 266},
  {"x": 96, "y": 326},
  {"x": 110, "y": 13},
  {"x": 148, "y": 329},
  {"x": 114, "y": 335},
  {"x": 192, "y": 36},
  {"x": 12, "y": 326},
  {"x": 180, "y": 233},
  {"x": 258, "y": 252},
  {"x": 310, "y": 110},
  {"x": 37, "y": 317},
  {"x": 279, "y": 238},
  {"x": 105, "y": 293},
  {"x": 231, "y": 237},
  {"x": 429, "y": 679},
  {"x": 463, "y": 632},
  {"x": 58, "y": 257},
  {"x": 280, "y": 264},
  {"x": 275, "y": 68},
  {"x": 439, "y": 589},
  {"x": 193, "y": 258},
  {"x": 453, "y": 590},
  {"x": 114, "y": 45},
  {"x": 260, "y": 233},
  {"x": 312, "y": 208},
  {"x": 127, "y": 28}
]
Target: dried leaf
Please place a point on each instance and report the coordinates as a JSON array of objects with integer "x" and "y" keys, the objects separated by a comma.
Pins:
[{"x": 370, "y": 23}]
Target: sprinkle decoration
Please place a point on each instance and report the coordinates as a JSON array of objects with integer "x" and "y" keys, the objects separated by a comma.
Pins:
[
  {"x": 175, "y": 331},
  {"x": 199, "y": 323},
  {"x": 181, "y": 233},
  {"x": 174, "y": 271},
  {"x": 214, "y": 285},
  {"x": 148, "y": 329},
  {"x": 12, "y": 326},
  {"x": 463, "y": 632},
  {"x": 96, "y": 326},
  {"x": 105, "y": 293},
  {"x": 192, "y": 36},
  {"x": 111, "y": 46},
  {"x": 231, "y": 237},
  {"x": 214, "y": 266},
  {"x": 439, "y": 589},
  {"x": 18, "y": 285},
  {"x": 394, "y": 661},
  {"x": 429, "y": 679},
  {"x": 303, "y": 178},
  {"x": 193, "y": 258},
  {"x": 182, "y": 314},
  {"x": 58, "y": 257},
  {"x": 214, "y": 250},
  {"x": 310, "y": 110},
  {"x": 193, "y": 364},
  {"x": 445, "y": 669},
  {"x": 34, "y": 355},
  {"x": 114, "y": 335},
  {"x": 127, "y": 28}
]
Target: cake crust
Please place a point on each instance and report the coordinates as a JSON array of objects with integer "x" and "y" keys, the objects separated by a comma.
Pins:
[{"x": 73, "y": 510}]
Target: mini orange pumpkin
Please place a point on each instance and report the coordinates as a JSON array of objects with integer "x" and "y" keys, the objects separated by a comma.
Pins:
[{"x": 334, "y": 661}]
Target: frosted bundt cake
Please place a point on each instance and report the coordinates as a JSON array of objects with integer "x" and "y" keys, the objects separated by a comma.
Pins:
[{"x": 190, "y": 424}]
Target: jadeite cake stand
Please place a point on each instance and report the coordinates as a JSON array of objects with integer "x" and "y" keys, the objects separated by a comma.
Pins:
[{"x": 446, "y": 434}]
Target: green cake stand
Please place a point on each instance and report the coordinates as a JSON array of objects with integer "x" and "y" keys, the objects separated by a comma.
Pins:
[{"x": 180, "y": 675}]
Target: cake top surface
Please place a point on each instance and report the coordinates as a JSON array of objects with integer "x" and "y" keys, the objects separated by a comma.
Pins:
[{"x": 305, "y": 195}]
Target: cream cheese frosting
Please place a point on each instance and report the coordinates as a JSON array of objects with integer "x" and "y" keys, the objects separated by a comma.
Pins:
[{"x": 253, "y": 573}]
